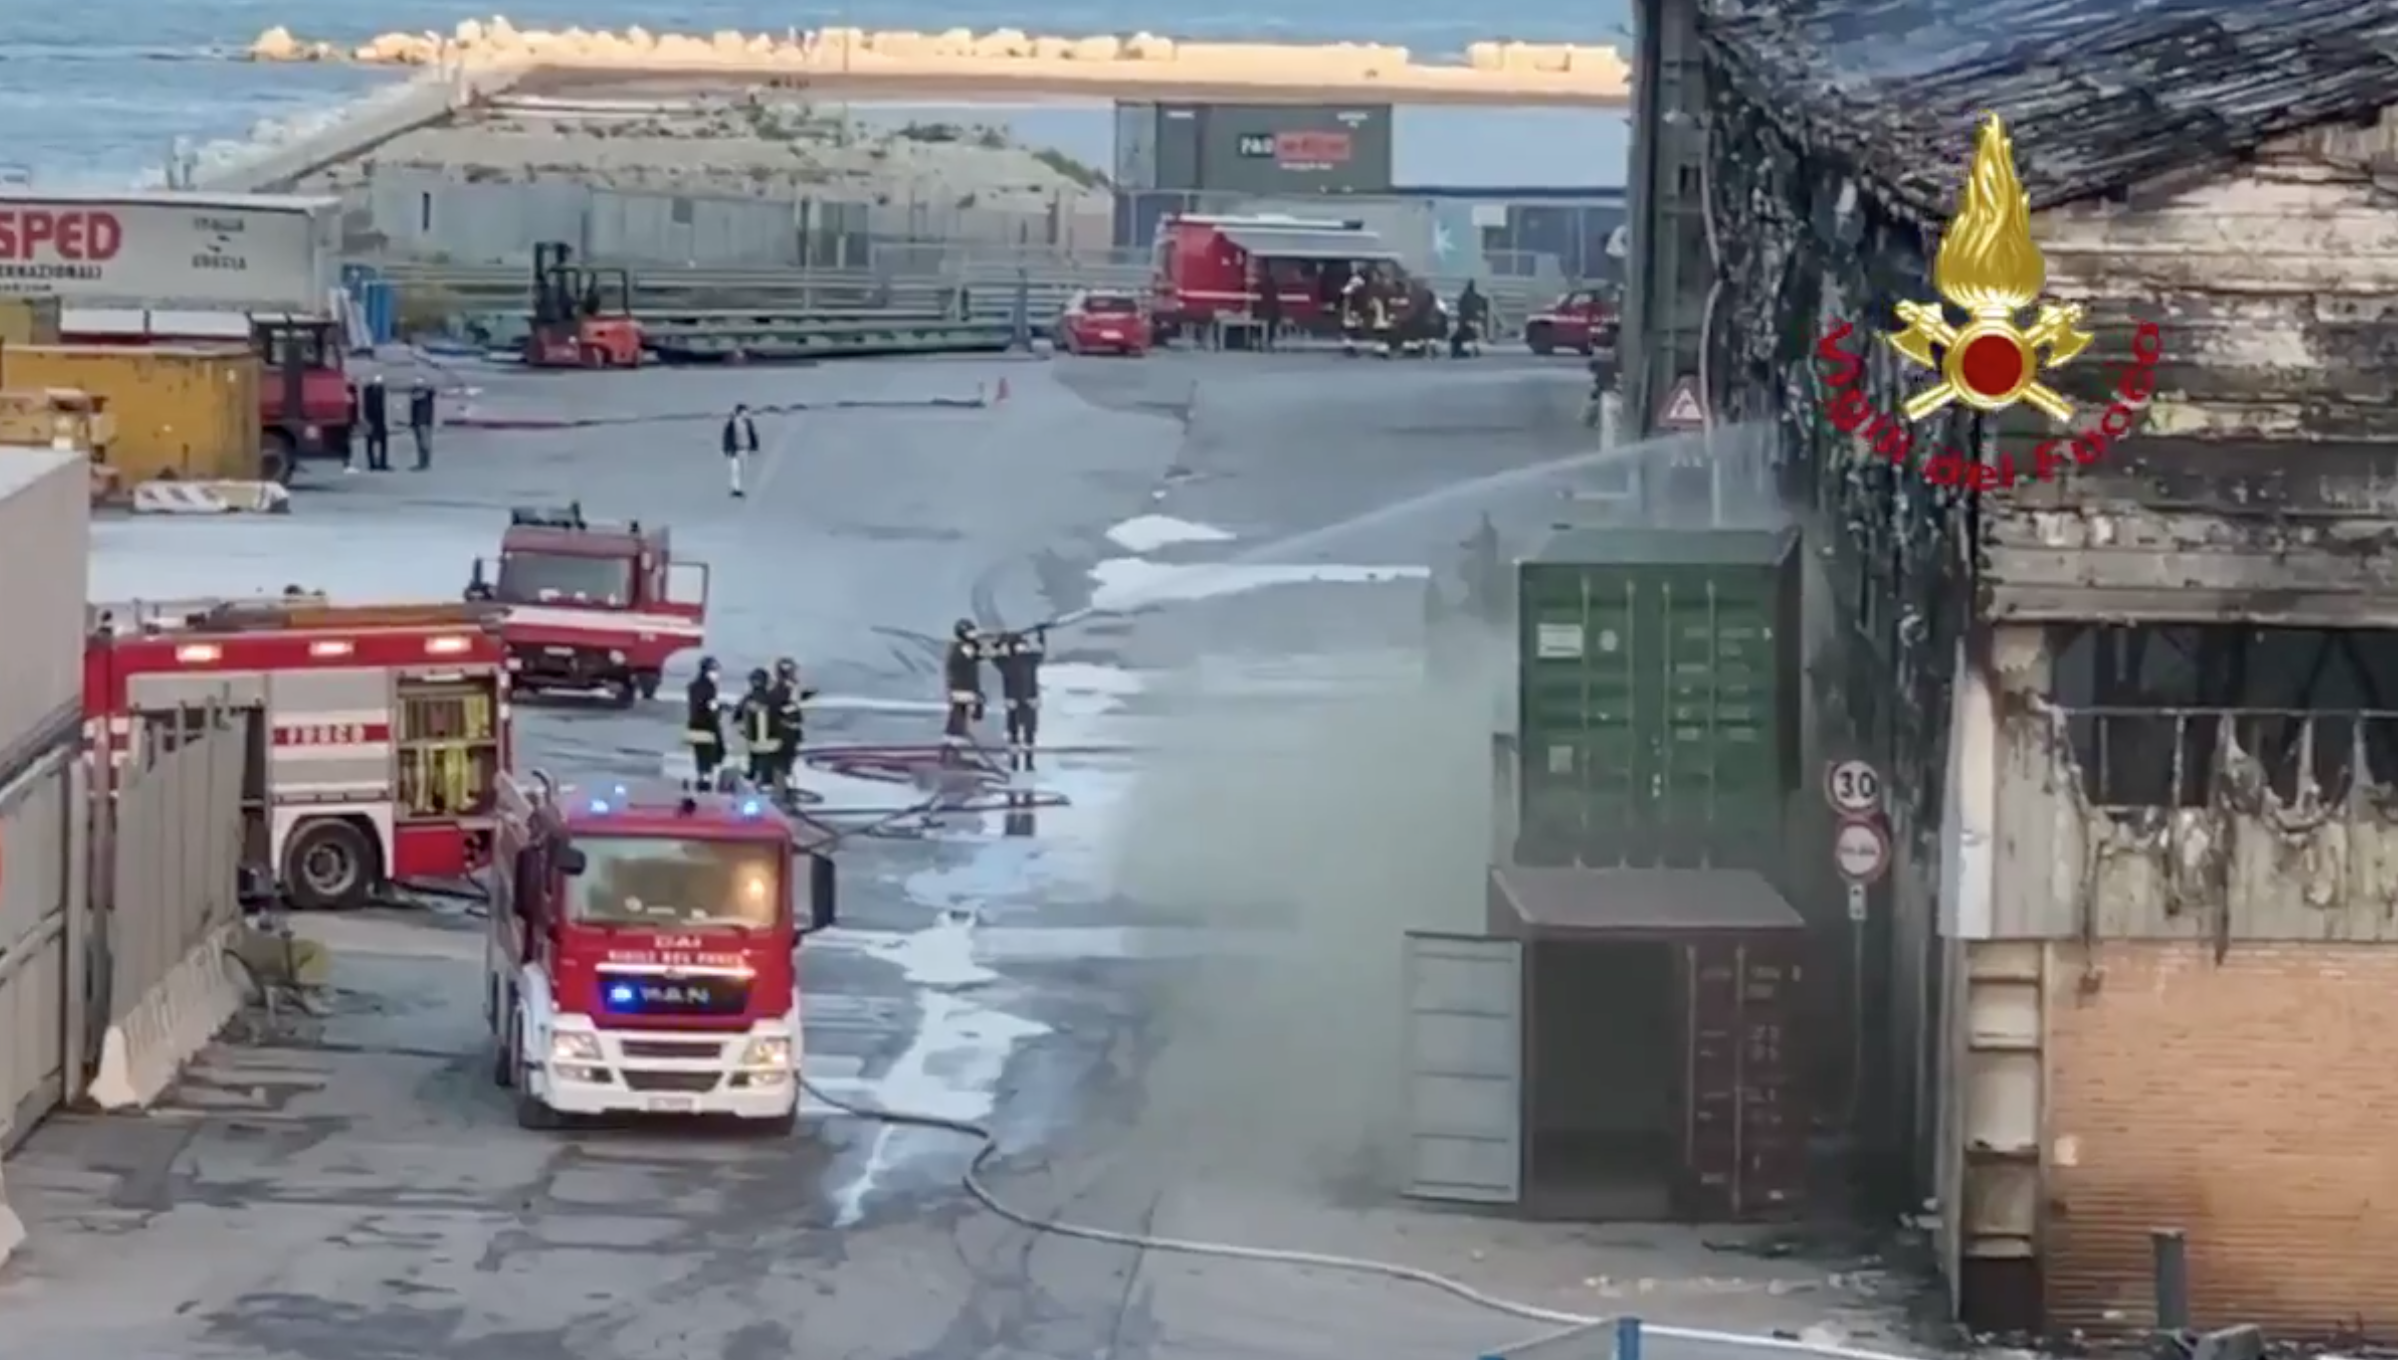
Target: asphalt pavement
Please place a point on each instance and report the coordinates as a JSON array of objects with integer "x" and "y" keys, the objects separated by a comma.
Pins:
[{"x": 350, "y": 1187}]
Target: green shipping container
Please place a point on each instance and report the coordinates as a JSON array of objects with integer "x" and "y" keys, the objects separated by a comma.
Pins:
[{"x": 1658, "y": 698}]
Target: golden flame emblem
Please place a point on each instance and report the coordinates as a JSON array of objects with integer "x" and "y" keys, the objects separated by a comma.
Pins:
[{"x": 1989, "y": 269}]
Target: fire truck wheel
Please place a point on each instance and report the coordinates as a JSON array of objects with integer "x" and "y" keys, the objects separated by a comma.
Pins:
[
  {"x": 647, "y": 683},
  {"x": 329, "y": 865},
  {"x": 1538, "y": 336}
]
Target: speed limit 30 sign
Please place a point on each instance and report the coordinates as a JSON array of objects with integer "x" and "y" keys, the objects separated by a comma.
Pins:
[
  {"x": 1853, "y": 788},
  {"x": 1861, "y": 850}
]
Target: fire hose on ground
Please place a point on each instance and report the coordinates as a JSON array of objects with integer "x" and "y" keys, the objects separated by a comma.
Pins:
[{"x": 1629, "y": 1333}]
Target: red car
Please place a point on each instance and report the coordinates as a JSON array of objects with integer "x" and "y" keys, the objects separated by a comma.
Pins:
[{"x": 1103, "y": 323}]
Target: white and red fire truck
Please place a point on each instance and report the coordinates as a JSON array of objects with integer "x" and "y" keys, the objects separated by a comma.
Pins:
[
  {"x": 593, "y": 606},
  {"x": 1207, "y": 270},
  {"x": 642, "y": 952},
  {"x": 382, "y": 730}
]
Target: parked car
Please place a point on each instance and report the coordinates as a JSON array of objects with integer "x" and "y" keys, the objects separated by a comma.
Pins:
[{"x": 1098, "y": 322}]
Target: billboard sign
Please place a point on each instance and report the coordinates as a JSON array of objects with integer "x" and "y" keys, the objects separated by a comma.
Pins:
[
  {"x": 167, "y": 250},
  {"x": 1272, "y": 149}
]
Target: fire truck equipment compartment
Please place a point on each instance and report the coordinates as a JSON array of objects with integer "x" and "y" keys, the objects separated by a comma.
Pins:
[
  {"x": 1632, "y": 1057},
  {"x": 1657, "y": 701},
  {"x": 180, "y": 413},
  {"x": 45, "y": 521}
]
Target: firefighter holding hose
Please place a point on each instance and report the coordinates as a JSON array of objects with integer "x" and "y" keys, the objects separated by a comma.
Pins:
[
  {"x": 786, "y": 699},
  {"x": 1017, "y": 658}
]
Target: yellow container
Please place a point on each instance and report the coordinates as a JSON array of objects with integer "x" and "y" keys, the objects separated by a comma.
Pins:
[
  {"x": 58, "y": 418},
  {"x": 28, "y": 321},
  {"x": 189, "y": 414}
]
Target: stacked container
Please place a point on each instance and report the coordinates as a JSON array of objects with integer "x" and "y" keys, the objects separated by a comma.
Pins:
[{"x": 1657, "y": 699}]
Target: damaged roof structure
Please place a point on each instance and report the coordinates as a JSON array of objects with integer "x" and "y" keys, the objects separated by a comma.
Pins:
[{"x": 2142, "y": 772}]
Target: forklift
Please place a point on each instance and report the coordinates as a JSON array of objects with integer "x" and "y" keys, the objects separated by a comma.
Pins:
[{"x": 582, "y": 317}]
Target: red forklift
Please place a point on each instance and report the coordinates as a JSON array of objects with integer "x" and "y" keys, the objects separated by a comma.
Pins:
[
  {"x": 582, "y": 317},
  {"x": 305, "y": 404}
]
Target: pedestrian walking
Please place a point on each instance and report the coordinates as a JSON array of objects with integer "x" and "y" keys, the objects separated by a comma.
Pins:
[
  {"x": 375, "y": 405},
  {"x": 740, "y": 445},
  {"x": 420, "y": 421}
]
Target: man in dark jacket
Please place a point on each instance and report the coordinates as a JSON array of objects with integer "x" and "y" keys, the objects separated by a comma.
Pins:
[
  {"x": 420, "y": 421},
  {"x": 740, "y": 445},
  {"x": 1269, "y": 307},
  {"x": 374, "y": 407},
  {"x": 703, "y": 722},
  {"x": 1473, "y": 322}
]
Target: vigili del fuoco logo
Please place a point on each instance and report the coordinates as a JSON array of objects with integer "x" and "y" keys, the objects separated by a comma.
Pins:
[{"x": 1989, "y": 269}]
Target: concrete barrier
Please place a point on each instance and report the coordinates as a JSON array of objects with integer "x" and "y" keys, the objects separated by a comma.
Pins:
[
  {"x": 421, "y": 103},
  {"x": 964, "y": 60},
  {"x": 210, "y": 498},
  {"x": 141, "y": 1054}
]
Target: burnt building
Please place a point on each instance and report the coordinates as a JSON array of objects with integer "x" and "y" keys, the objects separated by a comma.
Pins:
[{"x": 2138, "y": 956}]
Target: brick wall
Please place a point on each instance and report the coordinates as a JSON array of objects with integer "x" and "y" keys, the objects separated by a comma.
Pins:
[{"x": 2253, "y": 1103}]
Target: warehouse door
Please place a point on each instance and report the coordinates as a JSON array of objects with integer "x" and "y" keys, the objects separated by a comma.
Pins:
[
  {"x": 36, "y": 893},
  {"x": 1465, "y": 1076}
]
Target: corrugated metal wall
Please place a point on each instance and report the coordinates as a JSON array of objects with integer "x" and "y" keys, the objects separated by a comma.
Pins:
[{"x": 423, "y": 214}]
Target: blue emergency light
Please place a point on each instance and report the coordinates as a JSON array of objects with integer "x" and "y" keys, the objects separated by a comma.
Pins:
[
  {"x": 622, "y": 997},
  {"x": 749, "y": 807}
]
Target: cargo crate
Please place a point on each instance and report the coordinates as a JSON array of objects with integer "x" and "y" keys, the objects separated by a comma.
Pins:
[{"x": 1658, "y": 697}]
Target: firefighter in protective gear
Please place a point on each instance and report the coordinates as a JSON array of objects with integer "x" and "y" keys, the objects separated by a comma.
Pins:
[
  {"x": 1379, "y": 319},
  {"x": 1017, "y": 658},
  {"x": 703, "y": 722},
  {"x": 962, "y": 670},
  {"x": 758, "y": 737},
  {"x": 1353, "y": 312},
  {"x": 785, "y": 698}
]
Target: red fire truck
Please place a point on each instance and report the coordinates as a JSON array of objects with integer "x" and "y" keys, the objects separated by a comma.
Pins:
[
  {"x": 641, "y": 957},
  {"x": 1208, "y": 270},
  {"x": 382, "y": 729},
  {"x": 592, "y": 606}
]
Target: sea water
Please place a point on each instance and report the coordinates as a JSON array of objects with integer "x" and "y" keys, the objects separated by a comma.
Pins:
[{"x": 98, "y": 93}]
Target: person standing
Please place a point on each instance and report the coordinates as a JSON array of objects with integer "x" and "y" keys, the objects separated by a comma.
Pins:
[
  {"x": 760, "y": 730},
  {"x": 788, "y": 698},
  {"x": 420, "y": 421},
  {"x": 1269, "y": 307},
  {"x": 740, "y": 445},
  {"x": 962, "y": 670},
  {"x": 1018, "y": 660},
  {"x": 703, "y": 723},
  {"x": 374, "y": 404}
]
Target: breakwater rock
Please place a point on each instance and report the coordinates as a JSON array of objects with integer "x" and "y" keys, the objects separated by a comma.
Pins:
[{"x": 964, "y": 53}]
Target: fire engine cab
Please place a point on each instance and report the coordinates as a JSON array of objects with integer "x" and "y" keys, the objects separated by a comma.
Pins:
[
  {"x": 1211, "y": 270},
  {"x": 380, "y": 730},
  {"x": 641, "y": 957},
  {"x": 592, "y": 606}
]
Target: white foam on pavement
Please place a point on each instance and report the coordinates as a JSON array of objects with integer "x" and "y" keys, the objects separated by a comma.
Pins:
[
  {"x": 950, "y": 1070},
  {"x": 1148, "y": 533},
  {"x": 1133, "y": 582}
]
